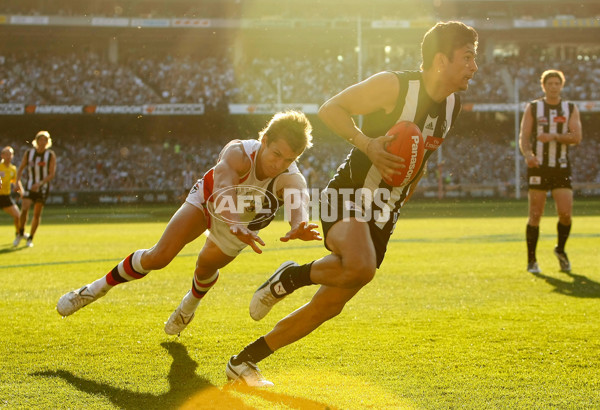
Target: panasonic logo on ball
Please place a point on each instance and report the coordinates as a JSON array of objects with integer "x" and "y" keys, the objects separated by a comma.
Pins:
[{"x": 413, "y": 158}]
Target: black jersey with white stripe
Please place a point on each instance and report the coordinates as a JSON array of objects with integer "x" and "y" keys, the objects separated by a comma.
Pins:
[
  {"x": 413, "y": 104},
  {"x": 553, "y": 119},
  {"x": 38, "y": 167}
]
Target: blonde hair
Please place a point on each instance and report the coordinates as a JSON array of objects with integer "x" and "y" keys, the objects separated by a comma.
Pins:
[
  {"x": 42, "y": 134},
  {"x": 291, "y": 126},
  {"x": 552, "y": 73}
]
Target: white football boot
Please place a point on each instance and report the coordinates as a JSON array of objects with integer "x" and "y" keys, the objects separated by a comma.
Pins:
[
  {"x": 18, "y": 239},
  {"x": 71, "y": 302},
  {"x": 563, "y": 260},
  {"x": 247, "y": 373},
  {"x": 269, "y": 293},
  {"x": 533, "y": 267},
  {"x": 178, "y": 321}
]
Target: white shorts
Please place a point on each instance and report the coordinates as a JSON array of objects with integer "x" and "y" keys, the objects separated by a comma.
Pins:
[{"x": 218, "y": 231}]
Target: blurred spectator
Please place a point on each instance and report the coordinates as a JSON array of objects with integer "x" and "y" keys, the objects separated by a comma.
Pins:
[
  {"x": 88, "y": 78},
  {"x": 121, "y": 162},
  {"x": 125, "y": 162}
]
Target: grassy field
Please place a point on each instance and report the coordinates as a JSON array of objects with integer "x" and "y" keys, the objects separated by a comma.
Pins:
[{"x": 452, "y": 319}]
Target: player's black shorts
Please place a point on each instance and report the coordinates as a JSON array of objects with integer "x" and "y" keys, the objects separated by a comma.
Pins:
[
  {"x": 335, "y": 208},
  {"x": 547, "y": 180},
  {"x": 6, "y": 201},
  {"x": 37, "y": 197}
]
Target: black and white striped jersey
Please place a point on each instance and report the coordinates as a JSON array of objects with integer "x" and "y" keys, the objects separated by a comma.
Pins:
[
  {"x": 38, "y": 167},
  {"x": 413, "y": 104},
  {"x": 553, "y": 119}
]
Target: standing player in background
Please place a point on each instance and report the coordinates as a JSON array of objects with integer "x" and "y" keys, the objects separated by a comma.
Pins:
[
  {"x": 8, "y": 177},
  {"x": 266, "y": 165},
  {"x": 548, "y": 127},
  {"x": 357, "y": 245},
  {"x": 40, "y": 162}
]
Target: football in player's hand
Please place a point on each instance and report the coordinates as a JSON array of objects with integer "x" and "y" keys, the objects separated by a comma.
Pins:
[{"x": 407, "y": 143}]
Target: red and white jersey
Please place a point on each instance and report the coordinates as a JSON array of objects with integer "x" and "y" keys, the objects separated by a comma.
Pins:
[
  {"x": 256, "y": 207},
  {"x": 250, "y": 180},
  {"x": 250, "y": 186}
]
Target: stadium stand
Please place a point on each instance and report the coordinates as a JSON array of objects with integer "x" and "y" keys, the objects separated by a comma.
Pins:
[
  {"x": 87, "y": 78},
  {"x": 283, "y": 58}
]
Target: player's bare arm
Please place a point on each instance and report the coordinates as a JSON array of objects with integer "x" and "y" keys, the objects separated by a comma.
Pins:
[
  {"x": 18, "y": 186},
  {"x": 292, "y": 189},
  {"x": 378, "y": 92},
  {"x": 232, "y": 165},
  {"x": 525, "y": 139},
  {"x": 574, "y": 136},
  {"x": 413, "y": 185},
  {"x": 51, "y": 167},
  {"x": 22, "y": 166}
]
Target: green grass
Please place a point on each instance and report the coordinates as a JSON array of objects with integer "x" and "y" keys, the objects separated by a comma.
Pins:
[{"x": 452, "y": 319}]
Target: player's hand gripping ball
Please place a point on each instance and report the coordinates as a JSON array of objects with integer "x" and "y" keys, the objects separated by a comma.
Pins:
[{"x": 407, "y": 143}]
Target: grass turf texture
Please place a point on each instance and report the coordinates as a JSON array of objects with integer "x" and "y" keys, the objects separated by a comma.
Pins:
[{"x": 452, "y": 319}]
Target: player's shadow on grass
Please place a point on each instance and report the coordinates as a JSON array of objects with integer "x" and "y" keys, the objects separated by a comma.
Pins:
[
  {"x": 186, "y": 389},
  {"x": 579, "y": 287},
  {"x": 10, "y": 248}
]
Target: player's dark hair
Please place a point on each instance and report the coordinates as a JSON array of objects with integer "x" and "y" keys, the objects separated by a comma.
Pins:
[
  {"x": 445, "y": 37},
  {"x": 293, "y": 126},
  {"x": 552, "y": 73}
]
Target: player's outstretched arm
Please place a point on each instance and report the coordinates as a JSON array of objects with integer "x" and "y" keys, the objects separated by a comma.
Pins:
[
  {"x": 292, "y": 189},
  {"x": 233, "y": 163},
  {"x": 304, "y": 231},
  {"x": 247, "y": 236}
]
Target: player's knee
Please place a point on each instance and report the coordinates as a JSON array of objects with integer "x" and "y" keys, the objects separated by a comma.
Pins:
[
  {"x": 564, "y": 219},
  {"x": 326, "y": 311},
  {"x": 154, "y": 259},
  {"x": 535, "y": 218},
  {"x": 358, "y": 272},
  {"x": 332, "y": 311},
  {"x": 202, "y": 273}
]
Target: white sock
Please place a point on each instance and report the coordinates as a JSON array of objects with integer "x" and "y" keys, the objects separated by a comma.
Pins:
[
  {"x": 136, "y": 261},
  {"x": 190, "y": 303},
  {"x": 99, "y": 287}
]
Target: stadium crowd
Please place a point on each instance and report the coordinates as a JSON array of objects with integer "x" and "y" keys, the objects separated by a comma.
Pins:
[
  {"x": 122, "y": 161},
  {"x": 230, "y": 9},
  {"x": 470, "y": 157},
  {"x": 88, "y": 78},
  {"x": 274, "y": 9}
]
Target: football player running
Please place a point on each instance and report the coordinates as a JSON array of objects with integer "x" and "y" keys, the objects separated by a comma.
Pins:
[{"x": 357, "y": 246}]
